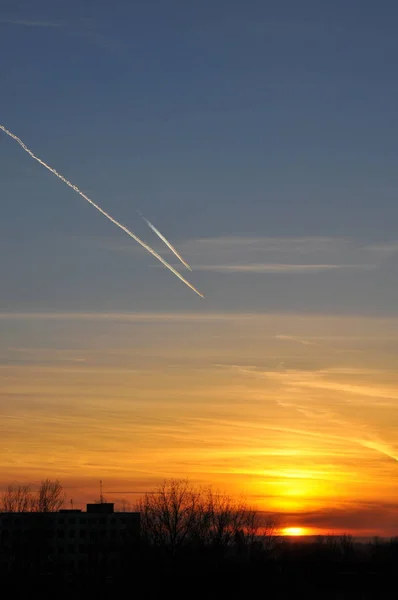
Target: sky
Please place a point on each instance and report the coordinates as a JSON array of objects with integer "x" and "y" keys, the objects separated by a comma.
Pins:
[{"x": 260, "y": 138}]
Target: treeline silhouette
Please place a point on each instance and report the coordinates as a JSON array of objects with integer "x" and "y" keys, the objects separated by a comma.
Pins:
[
  {"x": 197, "y": 543},
  {"x": 49, "y": 497}
]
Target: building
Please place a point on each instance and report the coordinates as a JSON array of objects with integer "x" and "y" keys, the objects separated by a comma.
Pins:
[{"x": 75, "y": 539}]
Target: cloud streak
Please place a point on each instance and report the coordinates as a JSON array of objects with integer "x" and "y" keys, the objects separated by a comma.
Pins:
[
  {"x": 103, "y": 212},
  {"x": 364, "y": 517},
  {"x": 384, "y": 250},
  {"x": 279, "y": 268},
  {"x": 285, "y": 256},
  {"x": 166, "y": 241},
  {"x": 245, "y": 254}
]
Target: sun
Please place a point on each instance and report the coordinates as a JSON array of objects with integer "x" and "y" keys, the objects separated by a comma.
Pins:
[{"x": 293, "y": 531}]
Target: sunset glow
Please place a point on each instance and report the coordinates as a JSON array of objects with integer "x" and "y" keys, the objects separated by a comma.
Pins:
[
  {"x": 294, "y": 531},
  {"x": 306, "y": 443}
]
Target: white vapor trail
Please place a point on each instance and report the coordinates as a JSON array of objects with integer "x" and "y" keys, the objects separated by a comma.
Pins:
[
  {"x": 77, "y": 190},
  {"x": 166, "y": 241}
]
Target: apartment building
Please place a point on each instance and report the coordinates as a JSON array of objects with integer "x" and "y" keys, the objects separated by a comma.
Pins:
[{"x": 73, "y": 538}]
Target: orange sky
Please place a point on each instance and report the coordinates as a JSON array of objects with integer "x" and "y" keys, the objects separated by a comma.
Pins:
[{"x": 298, "y": 413}]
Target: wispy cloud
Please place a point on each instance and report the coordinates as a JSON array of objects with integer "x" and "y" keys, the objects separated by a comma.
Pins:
[
  {"x": 250, "y": 246},
  {"x": 383, "y": 250},
  {"x": 267, "y": 255},
  {"x": 292, "y": 338},
  {"x": 253, "y": 249},
  {"x": 353, "y": 431},
  {"x": 150, "y": 317},
  {"x": 323, "y": 379},
  {"x": 298, "y": 244},
  {"x": 245, "y": 254},
  {"x": 279, "y": 268},
  {"x": 294, "y": 439},
  {"x": 319, "y": 327}
]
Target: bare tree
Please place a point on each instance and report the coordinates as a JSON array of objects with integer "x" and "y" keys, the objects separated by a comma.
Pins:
[
  {"x": 20, "y": 498},
  {"x": 17, "y": 498},
  {"x": 177, "y": 514},
  {"x": 50, "y": 496},
  {"x": 347, "y": 546},
  {"x": 269, "y": 527},
  {"x": 169, "y": 514},
  {"x": 225, "y": 521}
]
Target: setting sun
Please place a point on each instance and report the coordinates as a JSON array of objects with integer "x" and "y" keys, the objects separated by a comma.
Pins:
[{"x": 294, "y": 531}]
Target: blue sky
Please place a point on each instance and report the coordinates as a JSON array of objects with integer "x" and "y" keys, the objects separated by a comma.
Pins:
[{"x": 255, "y": 135}]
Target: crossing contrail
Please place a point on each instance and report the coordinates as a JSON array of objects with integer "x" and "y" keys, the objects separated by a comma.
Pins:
[
  {"x": 166, "y": 241},
  {"x": 122, "y": 227}
]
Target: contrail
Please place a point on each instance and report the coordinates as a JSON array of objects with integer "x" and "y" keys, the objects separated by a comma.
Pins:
[
  {"x": 168, "y": 244},
  {"x": 77, "y": 190}
]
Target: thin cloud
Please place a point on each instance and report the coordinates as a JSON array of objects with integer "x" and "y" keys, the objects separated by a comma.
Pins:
[
  {"x": 248, "y": 250},
  {"x": 319, "y": 380},
  {"x": 303, "y": 244},
  {"x": 368, "y": 440},
  {"x": 292, "y": 338},
  {"x": 315, "y": 383},
  {"x": 384, "y": 250},
  {"x": 256, "y": 254},
  {"x": 238, "y": 246},
  {"x": 80, "y": 316},
  {"x": 362, "y": 516},
  {"x": 279, "y": 268},
  {"x": 328, "y": 327},
  {"x": 381, "y": 447}
]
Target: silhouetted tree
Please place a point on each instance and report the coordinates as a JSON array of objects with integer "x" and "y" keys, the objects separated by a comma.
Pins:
[
  {"x": 17, "y": 498},
  {"x": 346, "y": 543},
  {"x": 170, "y": 514},
  {"x": 177, "y": 514},
  {"x": 268, "y": 527},
  {"x": 21, "y": 498},
  {"x": 50, "y": 497},
  {"x": 223, "y": 521}
]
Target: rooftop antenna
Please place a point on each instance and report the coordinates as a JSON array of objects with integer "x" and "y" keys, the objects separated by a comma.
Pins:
[{"x": 101, "y": 496}]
